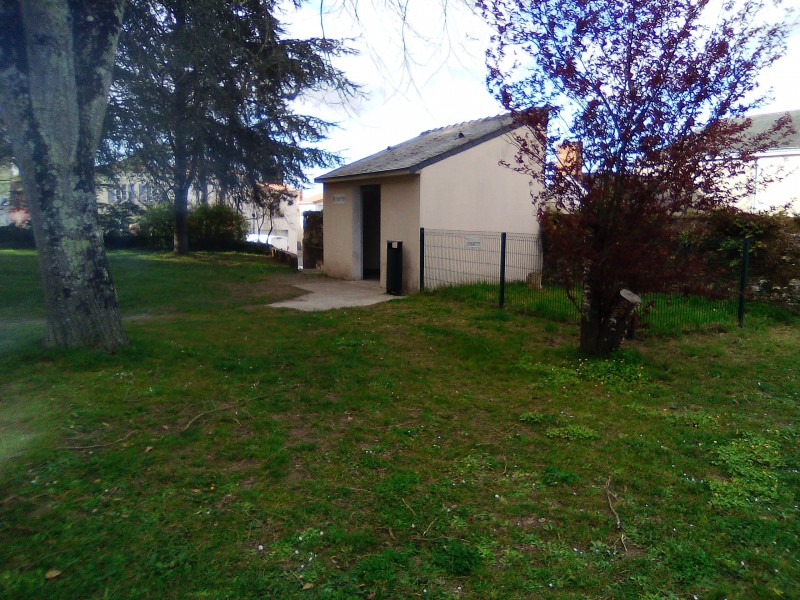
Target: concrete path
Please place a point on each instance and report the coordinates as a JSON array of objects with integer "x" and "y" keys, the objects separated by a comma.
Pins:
[{"x": 327, "y": 294}]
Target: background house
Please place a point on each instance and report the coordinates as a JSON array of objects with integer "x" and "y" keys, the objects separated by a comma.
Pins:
[
  {"x": 13, "y": 210},
  {"x": 774, "y": 175},
  {"x": 449, "y": 178},
  {"x": 287, "y": 221}
]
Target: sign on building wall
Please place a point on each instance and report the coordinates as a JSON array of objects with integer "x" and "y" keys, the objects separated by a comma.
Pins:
[{"x": 338, "y": 198}]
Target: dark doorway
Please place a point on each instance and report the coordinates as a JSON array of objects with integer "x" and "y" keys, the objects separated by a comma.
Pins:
[{"x": 371, "y": 237}]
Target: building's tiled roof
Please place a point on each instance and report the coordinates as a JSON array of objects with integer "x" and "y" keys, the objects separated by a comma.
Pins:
[
  {"x": 761, "y": 123},
  {"x": 425, "y": 149}
]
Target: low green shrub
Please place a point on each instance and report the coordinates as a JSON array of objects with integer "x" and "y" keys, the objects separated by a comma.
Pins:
[
  {"x": 211, "y": 227},
  {"x": 20, "y": 238},
  {"x": 157, "y": 224},
  {"x": 215, "y": 226}
]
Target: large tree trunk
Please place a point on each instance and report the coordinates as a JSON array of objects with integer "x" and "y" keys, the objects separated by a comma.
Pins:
[
  {"x": 55, "y": 64},
  {"x": 181, "y": 237},
  {"x": 181, "y": 176},
  {"x": 604, "y": 327}
]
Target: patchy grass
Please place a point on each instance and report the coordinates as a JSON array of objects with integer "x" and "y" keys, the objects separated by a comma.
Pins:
[
  {"x": 665, "y": 315},
  {"x": 416, "y": 449}
]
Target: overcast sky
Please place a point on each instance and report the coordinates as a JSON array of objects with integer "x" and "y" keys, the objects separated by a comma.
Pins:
[{"x": 431, "y": 76}]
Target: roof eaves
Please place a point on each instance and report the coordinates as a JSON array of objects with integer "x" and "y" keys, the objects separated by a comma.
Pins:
[{"x": 362, "y": 176}]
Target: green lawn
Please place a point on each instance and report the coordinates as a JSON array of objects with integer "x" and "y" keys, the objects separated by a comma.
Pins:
[{"x": 425, "y": 448}]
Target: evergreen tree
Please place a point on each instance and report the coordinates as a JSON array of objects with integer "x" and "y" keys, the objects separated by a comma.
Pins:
[{"x": 203, "y": 93}]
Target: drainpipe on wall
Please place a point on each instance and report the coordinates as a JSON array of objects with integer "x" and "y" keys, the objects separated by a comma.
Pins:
[{"x": 754, "y": 201}]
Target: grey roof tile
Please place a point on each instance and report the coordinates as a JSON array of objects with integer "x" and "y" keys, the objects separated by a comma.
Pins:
[
  {"x": 760, "y": 124},
  {"x": 425, "y": 149}
]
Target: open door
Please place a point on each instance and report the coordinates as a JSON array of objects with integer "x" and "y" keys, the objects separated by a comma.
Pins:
[{"x": 371, "y": 231}]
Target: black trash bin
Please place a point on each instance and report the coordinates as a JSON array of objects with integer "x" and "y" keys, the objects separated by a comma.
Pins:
[{"x": 394, "y": 267}]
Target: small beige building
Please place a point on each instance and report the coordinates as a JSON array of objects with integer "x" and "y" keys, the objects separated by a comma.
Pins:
[{"x": 449, "y": 178}]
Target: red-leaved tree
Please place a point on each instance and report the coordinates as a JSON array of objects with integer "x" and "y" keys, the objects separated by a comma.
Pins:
[{"x": 655, "y": 95}]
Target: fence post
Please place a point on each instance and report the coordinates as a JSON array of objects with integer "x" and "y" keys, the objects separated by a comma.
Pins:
[
  {"x": 502, "y": 269},
  {"x": 421, "y": 259},
  {"x": 743, "y": 278}
]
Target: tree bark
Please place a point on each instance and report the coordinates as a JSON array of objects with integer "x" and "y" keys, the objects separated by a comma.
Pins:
[
  {"x": 55, "y": 64},
  {"x": 181, "y": 143},
  {"x": 181, "y": 237},
  {"x": 602, "y": 331}
]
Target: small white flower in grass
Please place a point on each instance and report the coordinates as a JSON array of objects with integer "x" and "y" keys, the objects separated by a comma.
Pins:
[{"x": 260, "y": 547}]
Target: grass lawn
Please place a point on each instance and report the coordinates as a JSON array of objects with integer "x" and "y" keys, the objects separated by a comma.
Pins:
[{"x": 424, "y": 448}]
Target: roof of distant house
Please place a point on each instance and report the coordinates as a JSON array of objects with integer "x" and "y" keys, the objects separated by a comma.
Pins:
[
  {"x": 426, "y": 149},
  {"x": 761, "y": 123}
]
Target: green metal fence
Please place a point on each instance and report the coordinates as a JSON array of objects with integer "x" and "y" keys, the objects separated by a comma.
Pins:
[{"x": 508, "y": 270}]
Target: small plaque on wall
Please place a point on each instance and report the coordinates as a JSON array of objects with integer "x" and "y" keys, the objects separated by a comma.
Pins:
[{"x": 338, "y": 198}]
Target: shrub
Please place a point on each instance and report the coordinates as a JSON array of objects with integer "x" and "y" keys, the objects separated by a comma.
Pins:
[
  {"x": 156, "y": 225},
  {"x": 211, "y": 227},
  {"x": 216, "y": 226},
  {"x": 116, "y": 220},
  {"x": 774, "y": 249},
  {"x": 12, "y": 236}
]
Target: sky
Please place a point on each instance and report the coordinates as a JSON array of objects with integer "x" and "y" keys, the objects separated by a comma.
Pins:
[{"x": 430, "y": 74}]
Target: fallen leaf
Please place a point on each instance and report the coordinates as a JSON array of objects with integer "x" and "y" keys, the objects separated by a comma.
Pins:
[
  {"x": 52, "y": 574},
  {"x": 148, "y": 449},
  {"x": 308, "y": 586}
]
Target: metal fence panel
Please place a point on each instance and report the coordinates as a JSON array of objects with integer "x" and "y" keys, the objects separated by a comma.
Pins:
[
  {"x": 469, "y": 264},
  {"x": 461, "y": 257},
  {"x": 467, "y": 257}
]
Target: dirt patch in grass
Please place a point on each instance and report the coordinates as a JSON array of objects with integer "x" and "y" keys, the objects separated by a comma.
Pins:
[{"x": 270, "y": 289}]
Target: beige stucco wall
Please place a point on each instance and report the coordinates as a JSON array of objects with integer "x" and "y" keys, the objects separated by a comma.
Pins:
[
  {"x": 399, "y": 221},
  {"x": 337, "y": 230},
  {"x": 471, "y": 191},
  {"x": 777, "y": 183}
]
